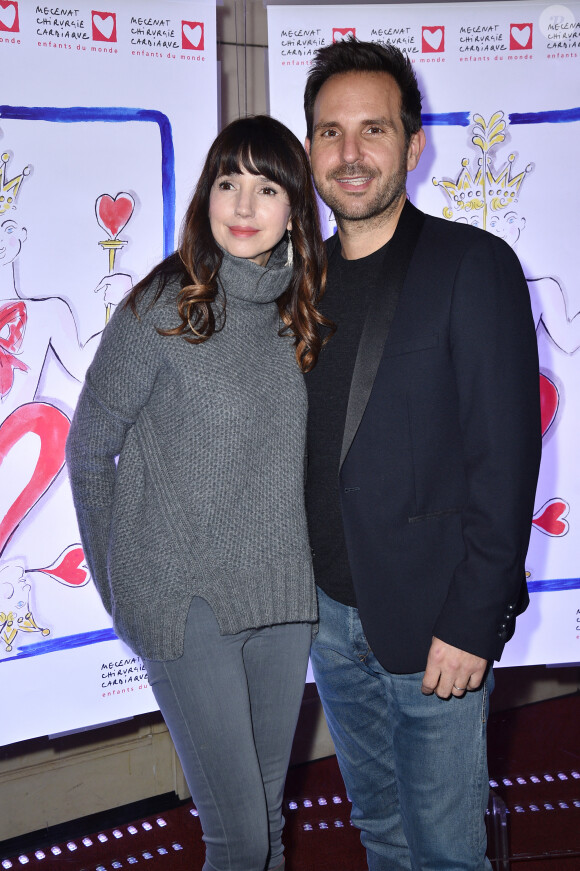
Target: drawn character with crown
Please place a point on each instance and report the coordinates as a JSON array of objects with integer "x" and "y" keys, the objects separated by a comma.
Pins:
[
  {"x": 16, "y": 614},
  {"x": 32, "y": 431},
  {"x": 490, "y": 200}
]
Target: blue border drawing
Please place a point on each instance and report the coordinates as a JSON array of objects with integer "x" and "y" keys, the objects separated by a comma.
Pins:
[
  {"x": 117, "y": 114},
  {"x": 114, "y": 114},
  {"x": 554, "y": 116},
  {"x": 463, "y": 119},
  {"x": 111, "y": 114},
  {"x": 50, "y": 645},
  {"x": 554, "y": 585},
  {"x": 446, "y": 119}
]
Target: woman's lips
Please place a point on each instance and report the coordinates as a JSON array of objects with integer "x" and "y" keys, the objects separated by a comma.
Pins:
[{"x": 243, "y": 232}]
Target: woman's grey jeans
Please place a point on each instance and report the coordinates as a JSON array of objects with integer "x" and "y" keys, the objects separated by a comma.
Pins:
[{"x": 231, "y": 703}]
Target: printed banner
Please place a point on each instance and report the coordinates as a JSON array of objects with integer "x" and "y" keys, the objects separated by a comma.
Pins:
[
  {"x": 108, "y": 115},
  {"x": 501, "y": 86}
]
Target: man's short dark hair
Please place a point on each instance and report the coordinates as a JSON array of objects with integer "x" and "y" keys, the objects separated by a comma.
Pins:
[{"x": 365, "y": 57}]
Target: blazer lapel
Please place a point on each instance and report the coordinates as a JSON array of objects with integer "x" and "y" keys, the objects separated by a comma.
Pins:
[{"x": 378, "y": 320}]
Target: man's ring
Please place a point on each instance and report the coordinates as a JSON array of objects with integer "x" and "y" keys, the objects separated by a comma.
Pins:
[{"x": 459, "y": 689}]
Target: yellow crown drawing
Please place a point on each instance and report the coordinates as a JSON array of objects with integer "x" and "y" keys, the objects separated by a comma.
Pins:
[
  {"x": 9, "y": 188},
  {"x": 483, "y": 189}
]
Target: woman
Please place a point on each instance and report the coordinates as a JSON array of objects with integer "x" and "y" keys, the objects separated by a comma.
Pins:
[{"x": 197, "y": 538}]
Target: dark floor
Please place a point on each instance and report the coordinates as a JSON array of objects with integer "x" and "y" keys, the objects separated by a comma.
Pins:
[
  {"x": 534, "y": 818},
  {"x": 534, "y": 763}
]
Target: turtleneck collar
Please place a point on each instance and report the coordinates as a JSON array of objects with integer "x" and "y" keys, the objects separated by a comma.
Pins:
[{"x": 243, "y": 279}]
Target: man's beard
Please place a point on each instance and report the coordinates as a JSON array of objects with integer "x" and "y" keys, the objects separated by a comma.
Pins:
[{"x": 347, "y": 208}]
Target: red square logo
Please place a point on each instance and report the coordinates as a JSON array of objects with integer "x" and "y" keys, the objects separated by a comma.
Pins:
[
  {"x": 192, "y": 35},
  {"x": 9, "y": 16},
  {"x": 104, "y": 26},
  {"x": 339, "y": 34},
  {"x": 433, "y": 39},
  {"x": 521, "y": 37}
]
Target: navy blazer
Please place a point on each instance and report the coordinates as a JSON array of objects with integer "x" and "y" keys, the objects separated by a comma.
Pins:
[{"x": 442, "y": 445}]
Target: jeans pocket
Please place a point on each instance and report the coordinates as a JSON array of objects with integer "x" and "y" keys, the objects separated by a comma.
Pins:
[{"x": 487, "y": 688}]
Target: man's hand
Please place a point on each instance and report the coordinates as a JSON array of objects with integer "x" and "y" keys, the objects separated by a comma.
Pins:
[{"x": 451, "y": 671}]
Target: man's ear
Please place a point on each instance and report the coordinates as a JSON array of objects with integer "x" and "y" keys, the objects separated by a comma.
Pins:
[
  {"x": 307, "y": 146},
  {"x": 415, "y": 149}
]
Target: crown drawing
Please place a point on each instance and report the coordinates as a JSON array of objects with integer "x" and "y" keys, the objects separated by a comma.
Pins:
[
  {"x": 9, "y": 187},
  {"x": 481, "y": 188}
]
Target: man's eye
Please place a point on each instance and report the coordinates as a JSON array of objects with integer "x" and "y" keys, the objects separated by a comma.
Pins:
[
  {"x": 328, "y": 134},
  {"x": 375, "y": 130}
]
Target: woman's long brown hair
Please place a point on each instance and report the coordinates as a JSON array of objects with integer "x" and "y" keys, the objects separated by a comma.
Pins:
[{"x": 262, "y": 146}]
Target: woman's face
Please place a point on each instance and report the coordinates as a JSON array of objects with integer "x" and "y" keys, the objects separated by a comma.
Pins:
[{"x": 248, "y": 215}]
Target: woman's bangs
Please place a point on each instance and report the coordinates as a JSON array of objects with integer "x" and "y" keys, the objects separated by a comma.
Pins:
[
  {"x": 258, "y": 158},
  {"x": 231, "y": 162}
]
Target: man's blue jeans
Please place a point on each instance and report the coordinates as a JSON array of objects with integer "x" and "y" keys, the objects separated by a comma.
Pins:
[{"x": 415, "y": 766}]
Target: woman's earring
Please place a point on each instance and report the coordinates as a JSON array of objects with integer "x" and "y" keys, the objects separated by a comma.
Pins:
[{"x": 290, "y": 255}]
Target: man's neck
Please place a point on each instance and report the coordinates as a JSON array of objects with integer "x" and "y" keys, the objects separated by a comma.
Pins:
[{"x": 361, "y": 238}]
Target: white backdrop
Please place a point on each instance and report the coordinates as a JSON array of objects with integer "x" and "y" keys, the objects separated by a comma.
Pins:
[
  {"x": 501, "y": 86},
  {"x": 107, "y": 120}
]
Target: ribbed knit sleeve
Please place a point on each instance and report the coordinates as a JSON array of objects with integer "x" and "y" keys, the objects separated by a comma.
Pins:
[{"x": 117, "y": 386}]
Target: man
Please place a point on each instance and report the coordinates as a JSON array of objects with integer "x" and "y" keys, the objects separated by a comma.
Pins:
[{"x": 424, "y": 447}]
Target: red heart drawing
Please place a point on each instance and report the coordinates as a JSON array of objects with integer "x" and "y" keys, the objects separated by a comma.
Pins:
[
  {"x": 340, "y": 34},
  {"x": 9, "y": 16},
  {"x": 549, "y": 401},
  {"x": 550, "y": 519},
  {"x": 69, "y": 568},
  {"x": 113, "y": 214},
  {"x": 51, "y": 427}
]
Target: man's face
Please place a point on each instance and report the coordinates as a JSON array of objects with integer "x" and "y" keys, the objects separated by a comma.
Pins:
[{"x": 358, "y": 152}]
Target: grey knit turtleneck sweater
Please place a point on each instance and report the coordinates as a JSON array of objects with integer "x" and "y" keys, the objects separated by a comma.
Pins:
[{"x": 207, "y": 497}]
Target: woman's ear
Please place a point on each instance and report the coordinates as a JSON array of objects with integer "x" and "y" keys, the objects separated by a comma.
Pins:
[{"x": 289, "y": 225}]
